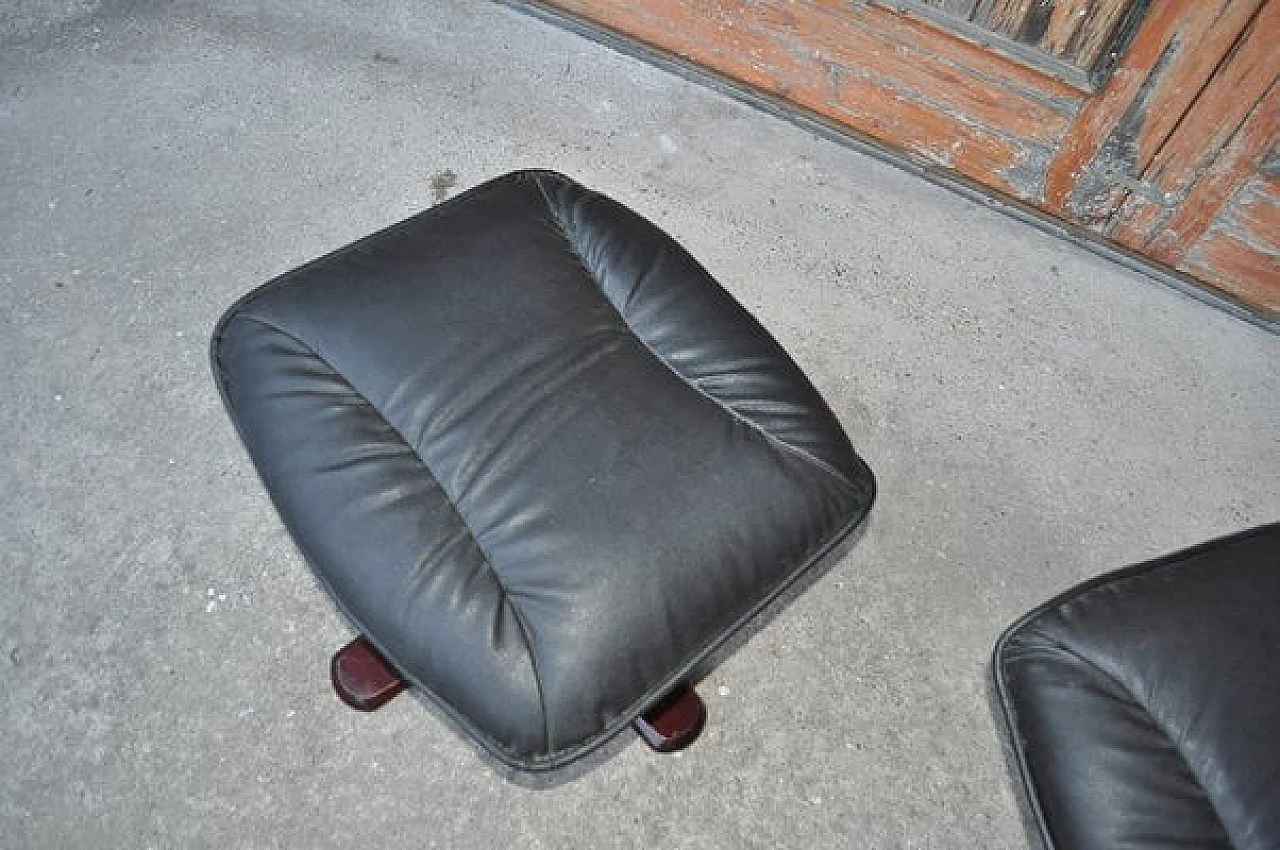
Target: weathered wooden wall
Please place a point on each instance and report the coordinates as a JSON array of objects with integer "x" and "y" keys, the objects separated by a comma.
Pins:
[
  {"x": 1075, "y": 31},
  {"x": 938, "y": 97},
  {"x": 1239, "y": 248},
  {"x": 1120, "y": 133},
  {"x": 1168, "y": 158}
]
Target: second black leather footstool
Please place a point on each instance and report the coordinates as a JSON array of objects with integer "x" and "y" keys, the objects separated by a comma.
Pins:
[
  {"x": 1143, "y": 707},
  {"x": 540, "y": 459}
]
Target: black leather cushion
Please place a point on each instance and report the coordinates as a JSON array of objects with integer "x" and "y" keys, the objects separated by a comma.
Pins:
[
  {"x": 536, "y": 454},
  {"x": 1144, "y": 706}
]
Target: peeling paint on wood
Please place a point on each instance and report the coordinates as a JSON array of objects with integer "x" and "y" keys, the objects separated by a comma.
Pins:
[
  {"x": 1118, "y": 133},
  {"x": 1240, "y": 160},
  {"x": 1254, "y": 216},
  {"x": 1144, "y": 156},
  {"x": 1064, "y": 22},
  {"x": 1239, "y": 82},
  {"x": 1100, "y": 115},
  {"x": 1098, "y": 187},
  {"x": 1004, "y": 16},
  {"x": 1077, "y": 31},
  {"x": 1239, "y": 269},
  {"x": 959, "y": 8},
  {"x": 876, "y": 71},
  {"x": 1096, "y": 33}
]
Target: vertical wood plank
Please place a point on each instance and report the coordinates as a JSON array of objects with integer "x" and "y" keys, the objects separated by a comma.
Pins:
[
  {"x": 1120, "y": 130},
  {"x": 1077, "y": 31},
  {"x": 1093, "y": 36},
  {"x": 1035, "y": 22},
  {"x": 1006, "y": 16},
  {"x": 1066, "y": 19},
  {"x": 1239, "y": 160},
  {"x": 959, "y": 8},
  {"x": 1239, "y": 83}
]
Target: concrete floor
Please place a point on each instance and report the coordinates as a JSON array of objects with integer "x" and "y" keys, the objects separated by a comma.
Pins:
[{"x": 1035, "y": 415}]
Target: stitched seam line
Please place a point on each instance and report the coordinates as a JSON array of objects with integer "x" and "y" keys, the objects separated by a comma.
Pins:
[
  {"x": 719, "y": 403},
  {"x": 497, "y": 577},
  {"x": 1104, "y": 674}
]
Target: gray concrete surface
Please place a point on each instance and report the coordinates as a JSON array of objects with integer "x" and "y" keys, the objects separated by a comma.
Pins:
[{"x": 1035, "y": 416}]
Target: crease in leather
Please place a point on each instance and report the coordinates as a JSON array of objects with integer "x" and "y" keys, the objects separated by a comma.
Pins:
[
  {"x": 813, "y": 423},
  {"x": 1051, "y": 643},
  {"x": 1176, "y": 741},
  {"x": 696, "y": 652},
  {"x": 1201, "y": 563},
  {"x": 419, "y": 574},
  {"x": 471, "y": 399},
  {"x": 564, "y": 363},
  {"x": 655, "y": 691},
  {"x": 426, "y": 468},
  {"x": 566, "y": 233}
]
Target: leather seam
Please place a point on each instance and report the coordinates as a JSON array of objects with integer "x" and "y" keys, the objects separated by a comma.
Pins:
[
  {"x": 562, "y": 226},
  {"x": 497, "y": 577},
  {"x": 1099, "y": 671}
]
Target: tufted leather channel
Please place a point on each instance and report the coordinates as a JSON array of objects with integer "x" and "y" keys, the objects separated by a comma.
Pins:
[
  {"x": 1144, "y": 706},
  {"x": 536, "y": 454}
]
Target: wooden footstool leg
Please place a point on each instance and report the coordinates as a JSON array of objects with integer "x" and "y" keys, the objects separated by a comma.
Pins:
[
  {"x": 674, "y": 722},
  {"x": 362, "y": 677}
]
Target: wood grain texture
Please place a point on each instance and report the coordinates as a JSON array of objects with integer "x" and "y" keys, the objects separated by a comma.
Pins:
[
  {"x": 1078, "y": 31},
  {"x": 1172, "y": 58},
  {"x": 1007, "y": 16},
  {"x": 1064, "y": 22},
  {"x": 1068, "y": 38},
  {"x": 964, "y": 55},
  {"x": 1239, "y": 269},
  {"x": 959, "y": 8},
  {"x": 1250, "y": 68},
  {"x": 935, "y": 96},
  {"x": 1238, "y": 163},
  {"x": 1179, "y": 109},
  {"x": 1255, "y": 213},
  {"x": 1096, "y": 31}
]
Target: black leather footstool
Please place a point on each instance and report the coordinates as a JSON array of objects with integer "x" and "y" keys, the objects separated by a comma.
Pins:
[
  {"x": 542, "y": 462},
  {"x": 1144, "y": 706}
]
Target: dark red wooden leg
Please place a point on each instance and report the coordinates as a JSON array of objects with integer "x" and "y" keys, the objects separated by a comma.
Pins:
[
  {"x": 362, "y": 677},
  {"x": 674, "y": 722}
]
